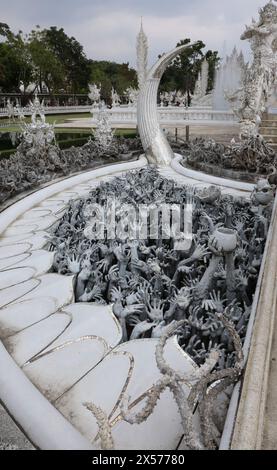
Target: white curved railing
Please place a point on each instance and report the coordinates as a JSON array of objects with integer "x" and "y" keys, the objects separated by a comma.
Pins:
[
  {"x": 127, "y": 114},
  {"x": 51, "y": 110},
  {"x": 172, "y": 115}
]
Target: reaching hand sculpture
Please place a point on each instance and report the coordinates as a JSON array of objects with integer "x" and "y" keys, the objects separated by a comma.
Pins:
[{"x": 152, "y": 285}]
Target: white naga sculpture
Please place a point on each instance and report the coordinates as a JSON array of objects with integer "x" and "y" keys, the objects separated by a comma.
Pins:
[
  {"x": 250, "y": 101},
  {"x": 142, "y": 53},
  {"x": 155, "y": 144},
  {"x": 94, "y": 94}
]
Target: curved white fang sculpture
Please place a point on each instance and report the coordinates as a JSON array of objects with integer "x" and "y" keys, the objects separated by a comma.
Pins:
[{"x": 155, "y": 144}]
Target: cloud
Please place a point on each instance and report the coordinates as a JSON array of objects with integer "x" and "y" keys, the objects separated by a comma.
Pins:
[{"x": 107, "y": 29}]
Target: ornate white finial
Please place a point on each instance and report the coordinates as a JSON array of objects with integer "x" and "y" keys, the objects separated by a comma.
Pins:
[{"x": 142, "y": 52}]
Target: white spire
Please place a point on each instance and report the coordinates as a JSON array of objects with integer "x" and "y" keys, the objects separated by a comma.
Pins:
[
  {"x": 142, "y": 52},
  {"x": 204, "y": 77}
]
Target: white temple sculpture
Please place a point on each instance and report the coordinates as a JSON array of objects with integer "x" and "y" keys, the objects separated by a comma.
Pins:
[
  {"x": 94, "y": 94},
  {"x": 131, "y": 95},
  {"x": 200, "y": 95},
  {"x": 38, "y": 133},
  {"x": 250, "y": 101},
  {"x": 10, "y": 109},
  {"x": 103, "y": 134},
  {"x": 155, "y": 144},
  {"x": 142, "y": 56},
  {"x": 115, "y": 98}
]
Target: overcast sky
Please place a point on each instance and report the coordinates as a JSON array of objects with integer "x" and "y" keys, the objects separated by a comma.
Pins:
[{"x": 107, "y": 28}]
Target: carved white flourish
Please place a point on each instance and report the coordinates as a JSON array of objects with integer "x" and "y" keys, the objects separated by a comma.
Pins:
[{"x": 37, "y": 133}]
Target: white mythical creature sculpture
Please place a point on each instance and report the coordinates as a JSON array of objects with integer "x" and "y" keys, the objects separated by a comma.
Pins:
[
  {"x": 94, "y": 94},
  {"x": 37, "y": 133},
  {"x": 250, "y": 101},
  {"x": 103, "y": 133},
  {"x": 131, "y": 95},
  {"x": 115, "y": 98}
]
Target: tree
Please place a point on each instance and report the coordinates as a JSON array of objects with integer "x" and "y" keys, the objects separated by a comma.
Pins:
[
  {"x": 69, "y": 52},
  {"x": 184, "y": 69},
  {"x": 111, "y": 74},
  {"x": 47, "y": 68},
  {"x": 15, "y": 60}
]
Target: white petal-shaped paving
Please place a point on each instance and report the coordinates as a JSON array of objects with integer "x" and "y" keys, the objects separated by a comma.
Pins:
[
  {"x": 13, "y": 250},
  {"x": 130, "y": 368},
  {"x": 40, "y": 261},
  {"x": 40, "y": 223},
  {"x": 61, "y": 368},
  {"x": 36, "y": 241},
  {"x": 13, "y": 231},
  {"x": 91, "y": 334},
  {"x": 11, "y": 294},
  {"x": 35, "y": 214},
  {"x": 26, "y": 344},
  {"x": 18, "y": 316},
  {"x": 14, "y": 276},
  {"x": 90, "y": 319},
  {"x": 13, "y": 260}
]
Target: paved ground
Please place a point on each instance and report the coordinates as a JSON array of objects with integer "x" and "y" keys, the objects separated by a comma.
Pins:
[
  {"x": 11, "y": 438},
  {"x": 270, "y": 422},
  {"x": 218, "y": 131}
]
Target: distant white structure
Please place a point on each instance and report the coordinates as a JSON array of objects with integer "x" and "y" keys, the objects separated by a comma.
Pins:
[
  {"x": 103, "y": 134},
  {"x": 115, "y": 98},
  {"x": 38, "y": 132},
  {"x": 200, "y": 96},
  {"x": 250, "y": 100},
  {"x": 229, "y": 77},
  {"x": 131, "y": 95},
  {"x": 94, "y": 94},
  {"x": 142, "y": 56}
]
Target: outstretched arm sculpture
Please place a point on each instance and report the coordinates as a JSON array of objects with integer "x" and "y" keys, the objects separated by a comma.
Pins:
[{"x": 155, "y": 144}]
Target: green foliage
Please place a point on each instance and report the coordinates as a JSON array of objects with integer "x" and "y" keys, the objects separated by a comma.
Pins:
[
  {"x": 69, "y": 52},
  {"x": 184, "y": 69},
  {"x": 47, "y": 68},
  {"x": 51, "y": 57},
  {"x": 15, "y": 60},
  {"x": 111, "y": 74}
]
